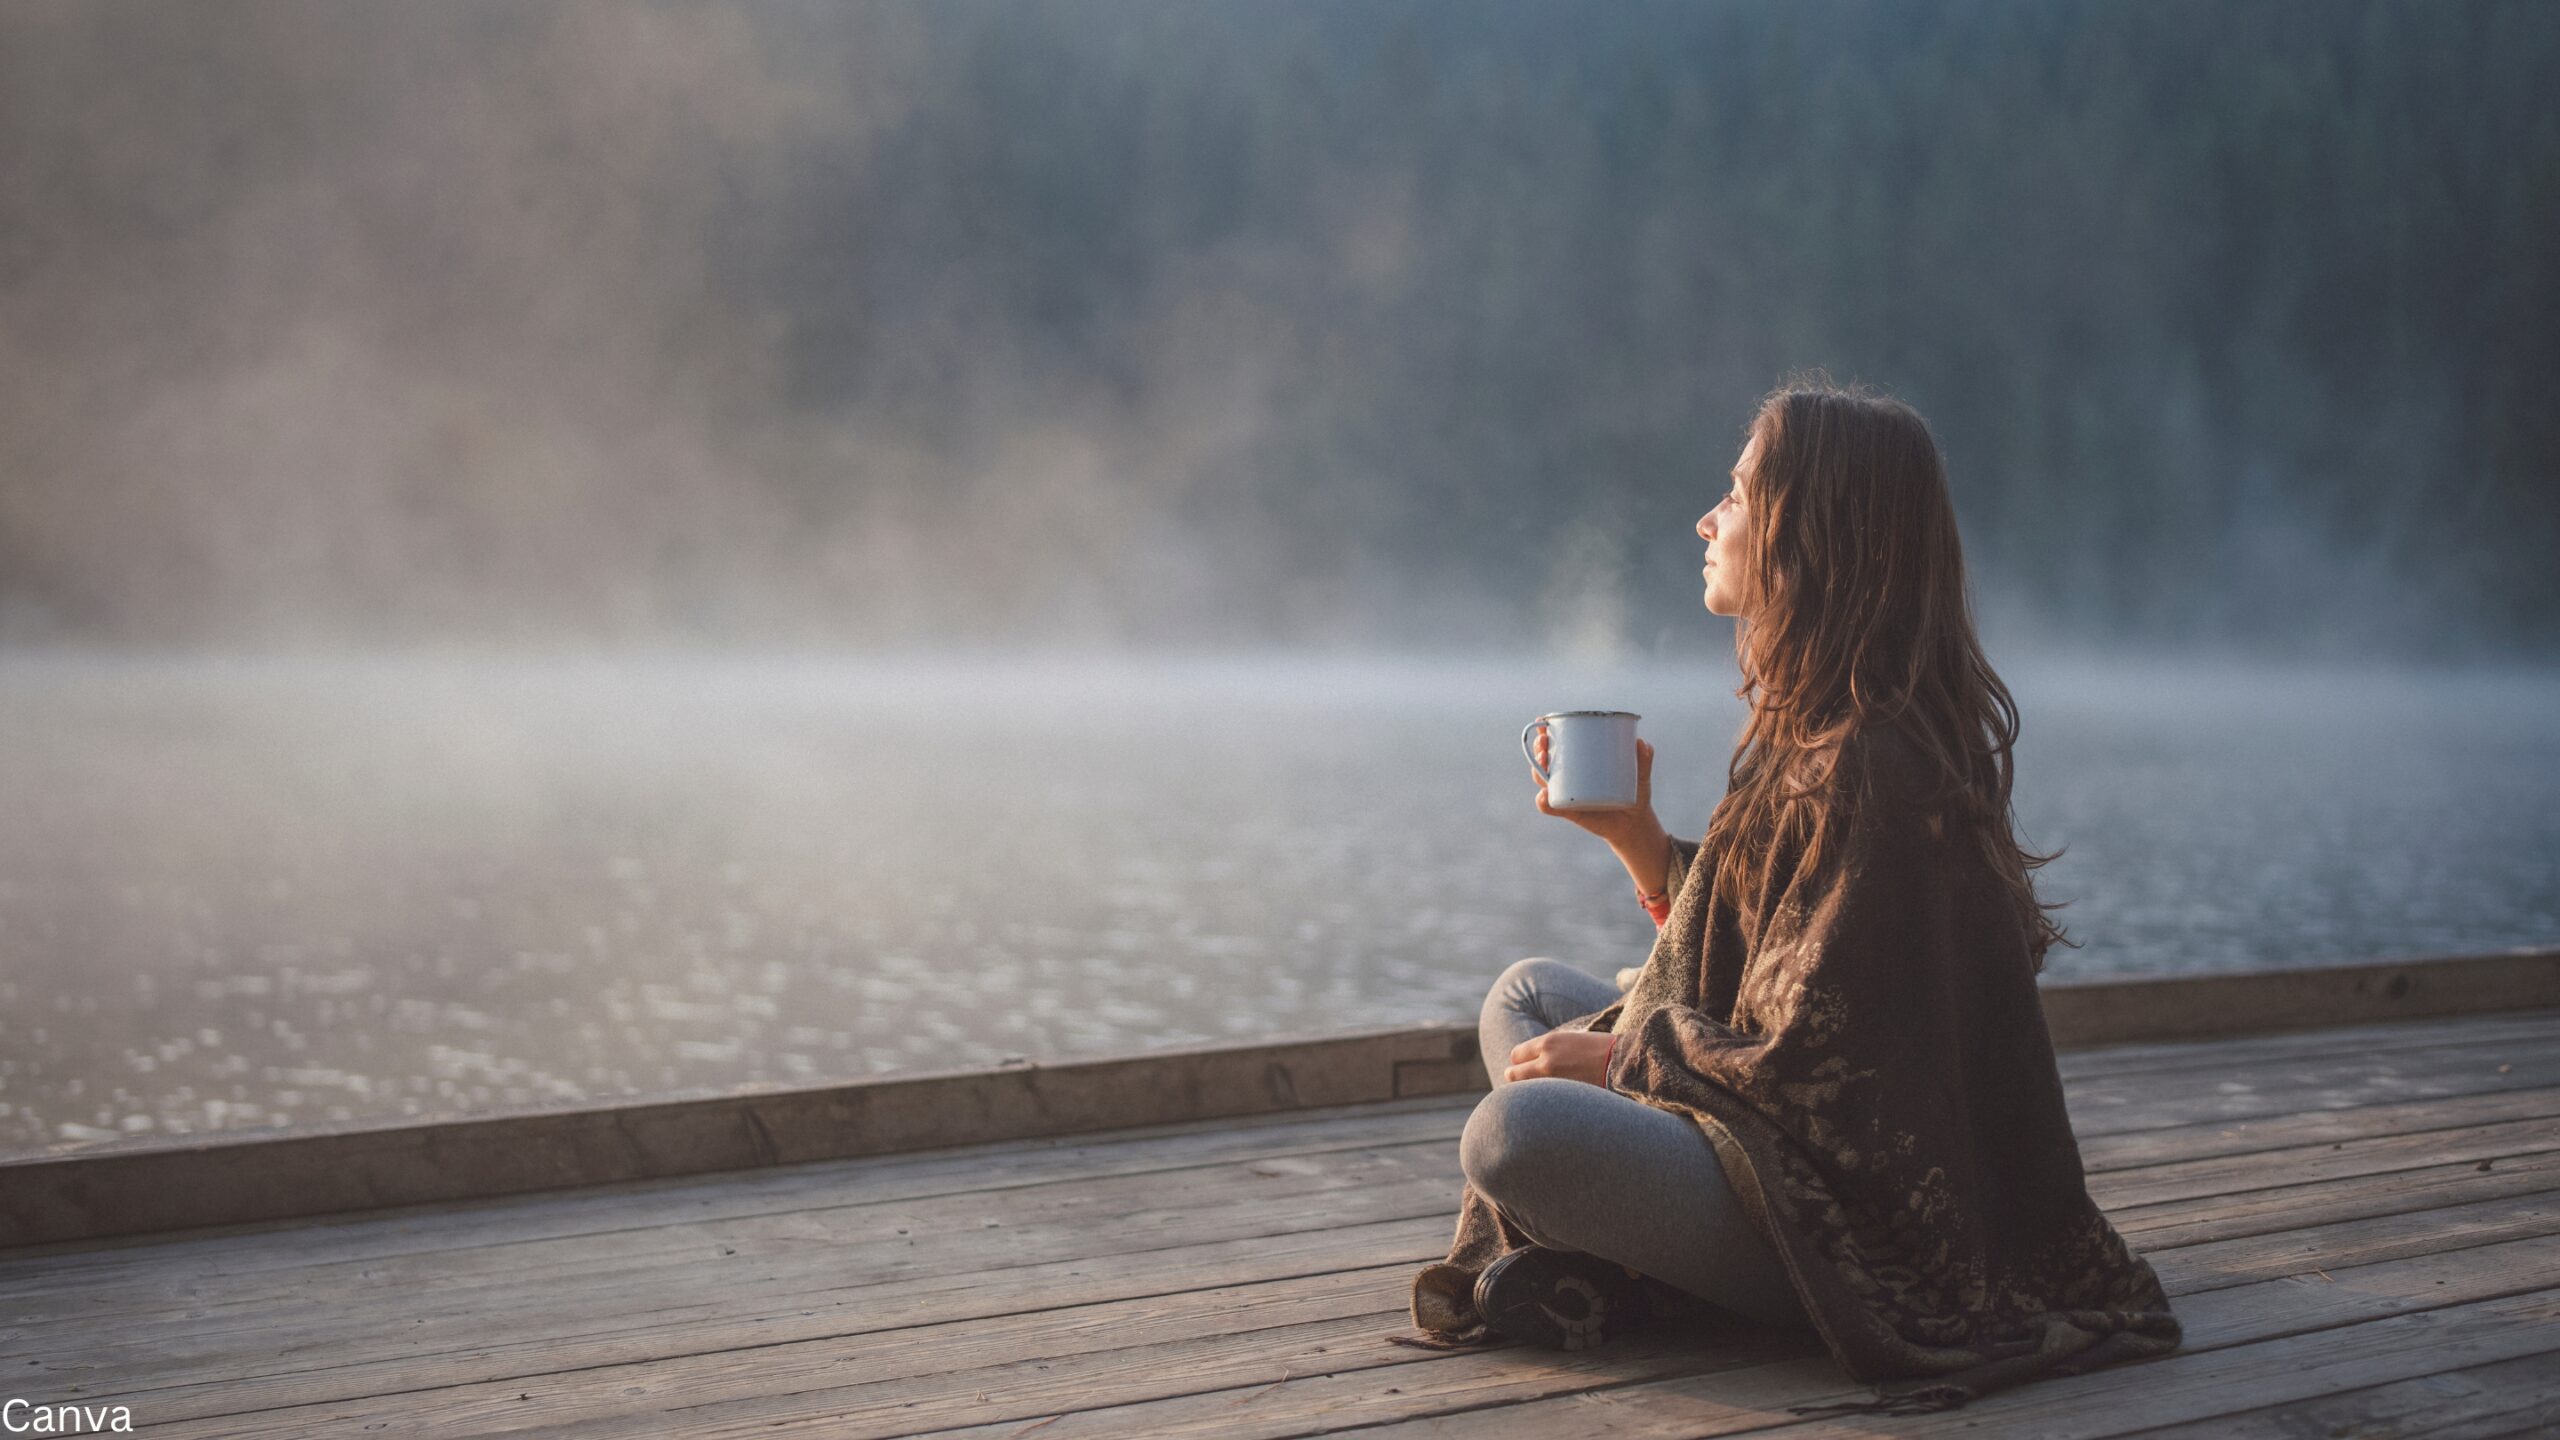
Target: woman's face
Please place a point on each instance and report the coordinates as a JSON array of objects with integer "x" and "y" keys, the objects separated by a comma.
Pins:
[{"x": 1726, "y": 529}]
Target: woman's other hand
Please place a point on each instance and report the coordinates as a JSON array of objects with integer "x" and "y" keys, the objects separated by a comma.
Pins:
[{"x": 1568, "y": 1054}]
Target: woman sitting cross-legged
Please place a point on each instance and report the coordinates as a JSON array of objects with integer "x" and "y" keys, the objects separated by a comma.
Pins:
[{"x": 1828, "y": 1099}]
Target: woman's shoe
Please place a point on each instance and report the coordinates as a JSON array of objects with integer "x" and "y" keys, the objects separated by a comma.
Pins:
[{"x": 1562, "y": 1299}]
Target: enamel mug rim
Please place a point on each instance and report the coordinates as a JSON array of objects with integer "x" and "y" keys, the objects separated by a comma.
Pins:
[{"x": 1544, "y": 777}]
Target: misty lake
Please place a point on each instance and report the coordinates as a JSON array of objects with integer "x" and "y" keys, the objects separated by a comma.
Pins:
[{"x": 252, "y": 893}]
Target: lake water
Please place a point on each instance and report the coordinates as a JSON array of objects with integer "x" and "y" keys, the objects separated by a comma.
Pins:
[{"x": 265, "y": 893}]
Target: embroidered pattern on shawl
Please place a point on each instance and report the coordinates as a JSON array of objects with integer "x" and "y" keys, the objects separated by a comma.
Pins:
[{"x": 1875, "y": 1075}]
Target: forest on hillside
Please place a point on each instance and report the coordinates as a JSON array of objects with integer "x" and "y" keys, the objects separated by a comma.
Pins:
[{"x": 1422, "y": 323}]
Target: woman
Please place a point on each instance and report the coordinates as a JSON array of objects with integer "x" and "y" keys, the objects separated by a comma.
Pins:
[{"x": 1828, "y": 1100}]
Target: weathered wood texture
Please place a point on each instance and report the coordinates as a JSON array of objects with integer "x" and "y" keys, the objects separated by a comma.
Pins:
[
  {"x": 156, "y": 1184},
  {"x": 144, "y": 1185},
  {"x": 2255, "y": 1001},
  {"x": 2360, "y": 1227}
]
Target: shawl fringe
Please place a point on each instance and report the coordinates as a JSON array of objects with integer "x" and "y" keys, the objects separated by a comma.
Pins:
[
  {"x": 1433, "y": 1340},
  {"x": 1927, "y": 1400}
]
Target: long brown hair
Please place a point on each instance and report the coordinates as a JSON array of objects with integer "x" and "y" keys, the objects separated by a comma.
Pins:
[{"x": 1861, "y": 618}]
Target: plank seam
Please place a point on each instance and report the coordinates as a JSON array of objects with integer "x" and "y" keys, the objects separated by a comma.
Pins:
[
  {"x": 2551, "y": 1091},
  {"x": 2280, "y": 1405},
  {"x": 1791, "y": 1424}
]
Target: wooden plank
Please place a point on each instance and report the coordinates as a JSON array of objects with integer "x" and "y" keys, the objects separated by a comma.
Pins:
[
  {"x": 2479, "y": 1402},
  {"x": 1371, "y": 1389},
  {"x": 684, "y": 1256},
  {"x": 2488, "y": 1298},
  {"x": 108, "y": 1288},
  {"x": 783, "y": 1189},
  {"x": 1241, "y": 1389},
  {"x": 2193, "y": 1007},
  {"x": 540, "y": 1333},
  {"x": 2342, "y": 1248},
  {"x": 2194, "y": 1268},
  {"x": 2116, "y": 1104},
  {"x": 2197, "y": 1385},
  {"x": 2227, "y": 1174},
  {"x": 751, "y": 1331},
  {"x": 111, "y": 1277},
  {"x": 886, "y": 1338},
  {"x": 303, "y": 1249},
  {"x": 161, "y": 1183},
  {"x": 893, "y": 1370},
  {"x": 2521, "y": 1027},
  {"x": 2379, "y": 1311},
  {"x": 893, "y": 1405},
  {"x": 2204, "y": 1139},
  {"x": 460, "y": 1225},
  {"x": 2225, "y": 1318},
  {"x": 2215, "y": 1382},
  {"x": 823, "y": 1272},
  {"x": 2287, "y": 1207},
  {"x": 413, "y": 1296},
  {"x": 776, "y": 1192},
  {"x": 1242, "y": 1189},
  {"x": 701, "y": 1198},
  {"x": 561, "y": 1214},
  {"x": 2206, "y": 1265}
]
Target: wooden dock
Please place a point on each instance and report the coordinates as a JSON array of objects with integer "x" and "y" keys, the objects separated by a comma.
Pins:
[{"x": 2359, "y": 1226}]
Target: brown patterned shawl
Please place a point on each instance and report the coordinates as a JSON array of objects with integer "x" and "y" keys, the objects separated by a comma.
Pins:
[{"x": 1874, "y": 1073}]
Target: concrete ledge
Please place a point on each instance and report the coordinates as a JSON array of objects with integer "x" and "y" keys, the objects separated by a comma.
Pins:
[{"x": 157, "y": 1183}]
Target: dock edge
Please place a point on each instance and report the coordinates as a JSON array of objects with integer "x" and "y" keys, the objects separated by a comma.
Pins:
[{"x": 154, "y": 1184}]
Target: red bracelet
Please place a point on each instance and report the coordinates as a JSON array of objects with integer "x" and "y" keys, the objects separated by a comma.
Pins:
[{"x": 1656, "y": 904}]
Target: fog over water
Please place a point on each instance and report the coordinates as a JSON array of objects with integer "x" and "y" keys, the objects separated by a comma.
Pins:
[
  {"x": 563, "y": 551},
  {"x": 1422, "y": 324},
  {"x": 256, "y": 893}
]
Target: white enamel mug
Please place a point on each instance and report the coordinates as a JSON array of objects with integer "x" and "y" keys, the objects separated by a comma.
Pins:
[{"x": 1591, "y": 758}]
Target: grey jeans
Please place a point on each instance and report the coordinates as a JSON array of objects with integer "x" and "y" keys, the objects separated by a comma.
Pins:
[{"x": 1579, "y": 1167}]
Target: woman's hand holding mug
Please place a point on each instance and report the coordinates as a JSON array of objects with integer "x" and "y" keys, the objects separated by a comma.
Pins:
[
  {"x": 1626, "y": 821},
  {"x": 1633, "y": 831}
]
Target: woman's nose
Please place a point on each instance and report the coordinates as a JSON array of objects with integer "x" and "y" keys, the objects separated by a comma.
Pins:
[{"x": 1707, "y": 526}]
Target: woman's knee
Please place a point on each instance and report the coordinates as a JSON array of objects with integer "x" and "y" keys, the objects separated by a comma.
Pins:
[
  {"x": 1519, "y": 980},
  {"x": 1518, "y": 1129}
]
